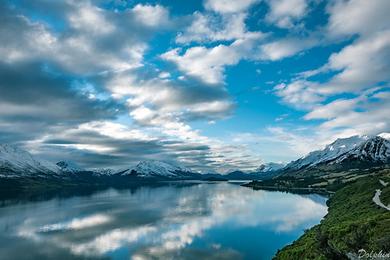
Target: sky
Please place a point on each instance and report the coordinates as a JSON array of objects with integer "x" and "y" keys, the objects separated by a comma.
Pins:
[{"x": 214, "y": 85}]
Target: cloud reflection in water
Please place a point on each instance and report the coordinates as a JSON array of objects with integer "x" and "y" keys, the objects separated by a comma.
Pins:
[{"x": 161, "y": 222}]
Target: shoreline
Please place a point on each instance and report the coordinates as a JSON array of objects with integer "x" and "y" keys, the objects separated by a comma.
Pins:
[{"x": 256, "y": 185}]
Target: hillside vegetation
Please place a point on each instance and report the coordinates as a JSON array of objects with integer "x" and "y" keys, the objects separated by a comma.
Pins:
[{"x": 353, "y": 222}]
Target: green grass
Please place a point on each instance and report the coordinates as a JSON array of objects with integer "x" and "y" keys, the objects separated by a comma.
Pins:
[{"x": 353, "y": 222}]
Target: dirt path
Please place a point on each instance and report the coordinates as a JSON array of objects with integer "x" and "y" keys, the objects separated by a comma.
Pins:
[{"x": 376, "y": 199}]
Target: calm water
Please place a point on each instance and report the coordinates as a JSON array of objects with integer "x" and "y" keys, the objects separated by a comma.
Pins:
[{"x": 203, "y": 221}]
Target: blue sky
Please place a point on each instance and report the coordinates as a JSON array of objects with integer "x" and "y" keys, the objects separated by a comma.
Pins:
[{"x": 214, "y": 85}]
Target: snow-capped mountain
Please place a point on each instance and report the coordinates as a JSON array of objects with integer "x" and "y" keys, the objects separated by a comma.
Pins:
[
  {"x": 270, "y": 167},
  {"x": 105, "y": 171},
  {"x": 76, "y": 170},
  {"x": 15, "y": 162},
  {"x": 352, "y": 151},
  {"x": 68, "y": 166},
  {"x": 375, "y": 150},
  {"x": 385, "y": 135},
  {"x": 158, "y": 169}
]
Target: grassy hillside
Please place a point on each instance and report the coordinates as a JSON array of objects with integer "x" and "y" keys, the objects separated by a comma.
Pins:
[{"x": 353, "y": 222}]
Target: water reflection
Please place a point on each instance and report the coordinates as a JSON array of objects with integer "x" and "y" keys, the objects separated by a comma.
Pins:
[{"x": 222, "y": 221}]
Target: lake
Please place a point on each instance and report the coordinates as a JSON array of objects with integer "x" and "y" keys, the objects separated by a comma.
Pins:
[{"x": 172, "y": 221}]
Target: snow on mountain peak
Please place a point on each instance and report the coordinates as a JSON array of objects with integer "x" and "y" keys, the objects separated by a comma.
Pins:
[
  {"x": 14, "y": 159},
  {"x": 374, "y": 149},
  {"x": 158, "y": 168},
  {"x": 69, "y": 166},
  {"x": 343, "y": 148},
  {"x": 385, "y": 135},
  {"x": 269, "y": 167},
  {"x": 15, "y": 162}
]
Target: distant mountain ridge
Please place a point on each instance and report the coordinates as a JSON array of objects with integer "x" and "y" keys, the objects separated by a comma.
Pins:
[
  {"x": 153, "y": 168},
  {"x": 18, "y": 163},
  {"x": 356, "y": 152}
]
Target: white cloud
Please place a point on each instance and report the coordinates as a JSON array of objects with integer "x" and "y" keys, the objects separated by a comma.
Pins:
[
  {"x": 287, "y": 47},
  {"x": 362, "y": 64},
  {"x": 371, "y": 117},
  {"x": 360, "y": 68},
  {"x": 214, "y": 107},
  {"x": 208, "y": 64},
  {"x": 168, "y": 97},
  {"x": 159, "y": 104},
  {"x": 23, "y": 40},
  {"x": 284, "y": 13},
  {"x": 102, "y": 149},
  {"x": 228, "y": 24},
  {"x": 228, "y": 6},
  {"x": 162, "y": 109},
  {"x": 149, "y": 15},
  {"x": 89, "y": 19},
  {"x": 83, "y": 48},
  {"x": 114, "y": 130},
  {"x": 210, "y": 27},
  {"x": 301, "y": 94},
  {"x": 107, "y": 46},
  {"x": 367, "y": 114},
  {"x": 201, "y": 62},
  {"x": 164, "y": 75},
  {"x": 143, "y": 114},
  {"x": 358, "y": 16},
  {"x": 332, "y": 109}
]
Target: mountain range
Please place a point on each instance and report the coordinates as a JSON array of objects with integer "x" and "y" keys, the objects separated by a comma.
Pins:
[
  {"x": 18, "y": 163},
  {"x": 356, "y": 152}
]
